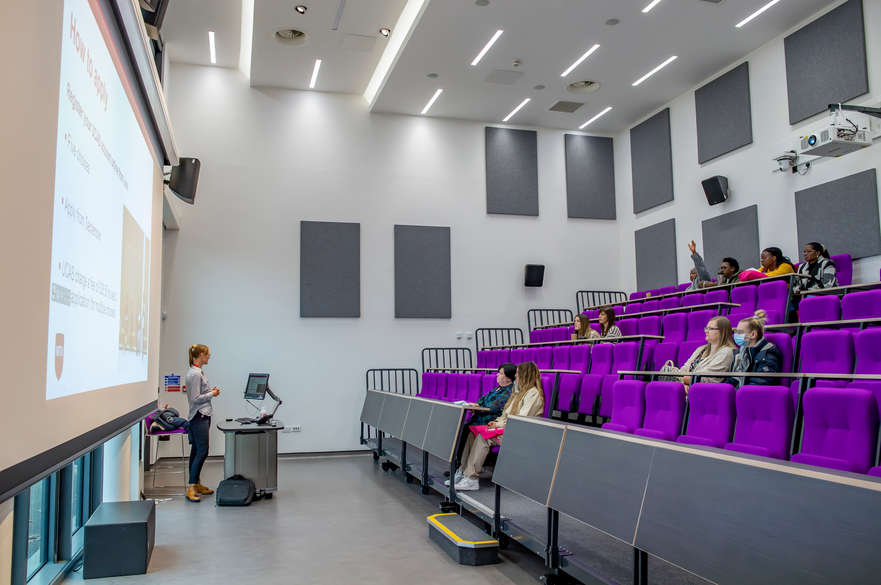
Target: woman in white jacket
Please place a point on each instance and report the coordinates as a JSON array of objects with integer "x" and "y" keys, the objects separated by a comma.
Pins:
[{"x": 716, "y": 356}]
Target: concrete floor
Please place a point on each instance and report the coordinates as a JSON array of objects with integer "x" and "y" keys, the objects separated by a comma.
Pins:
[{"x": 334, "y": 520}]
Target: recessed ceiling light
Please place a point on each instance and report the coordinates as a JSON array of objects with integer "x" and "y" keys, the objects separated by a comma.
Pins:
[
  {"x": 756, "y": 13},
  {"x": 432, "y": 100},
  {"x": 651, "y": 5},
  {"x": 655, "y": 70},
  {"x": 301, "y": 8},
  {"x": 578, "y": 61},
  {"x": 595, "y": 118},
  {"x": 487, "y": 47},
  {"x": 515, "y": 110},
  {"x": 211, "y": 50},
  {"x": 385, "y": 31},
  {"x": 315, "y": 73}
]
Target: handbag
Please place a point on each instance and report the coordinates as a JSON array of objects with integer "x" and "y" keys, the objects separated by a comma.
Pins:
[{"x": 670, "y": 368}]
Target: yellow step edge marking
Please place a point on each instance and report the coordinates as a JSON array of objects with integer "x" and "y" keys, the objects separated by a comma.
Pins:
[{"x": 436, "y": 523}]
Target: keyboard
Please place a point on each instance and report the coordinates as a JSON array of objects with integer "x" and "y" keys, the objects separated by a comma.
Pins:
[{"x": 245, "y": 420}]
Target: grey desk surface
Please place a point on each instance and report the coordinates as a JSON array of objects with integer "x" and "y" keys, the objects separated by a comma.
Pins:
[
  {"x": 122, "y": 513},
  {"x": 237, "y": 427}
]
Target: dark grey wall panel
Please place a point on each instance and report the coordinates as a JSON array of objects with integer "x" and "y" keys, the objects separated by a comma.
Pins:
[
  {"x": 528, "y": 458},
  {"x": 656, "y": 264},
  {"x": 590, "y": 177},
  {"x": 330, "y": 269},
  {"x": 826, "y": 61},
  {"x": 734, "y": 234},
  {"x": 423, "y": 287},
  {"x": 511, "y": 171},
  {"x": 651, "y": 156},
  {"x": 724, "y": 117},
  {"x": 842, "y": 215},
  {"x": 601, "y": 481}
]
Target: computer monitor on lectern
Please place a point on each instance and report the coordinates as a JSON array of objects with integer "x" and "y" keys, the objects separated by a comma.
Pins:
[{"x": 255, "y": 389}]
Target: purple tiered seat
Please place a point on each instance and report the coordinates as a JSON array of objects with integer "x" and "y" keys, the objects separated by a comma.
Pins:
[
  {"x": 696, "y": 323},
  {"x": 664, "y": 409},
  {"x": 772, "y": 298},
  {"x": 579, "y": 357},
  {"x": 561, "y": 357},
  {"x": 488, "y": 383},
  {"x": 629, "y": 406},
  {"x": 483, "y": 358},
  {"x": 666, "y": 290},
  {"x": 843, "y": 269},
  {"x": 710, "y": 415},
  {"x": 827, "y": 352},
  {"x": 640, "y": 294},
  {"x": 686, "y": 348},
  {"x": 628, "y": 326},
  {"x": 675, "y": 327},
  {"x": 670, "y": 303},
  {"x": 649, "y": 325},
  {"x": 569, "y": 386},
  {"x": 632, "y": 308},
  {"x": 876, "y": 471},
  {"x": 764, "y": 421},
  {"x": 784, "y": 343},
  {"x": 518, "y": 355},
  {"x": 664, "y": 352},
  {"x": 600, "y": 366},
  {"x": 547, "y": 384},
  {"x": 430, "y": 382},
  {"x": 840, "y": 427},
  {"x": 651, "y": 306},
  {"x": 543, "y": 357},
  {"x": 745, "y": 296},
  {"x": 680, "y": 287},
  {"x": 473, "y": 387},
  {"x": 819, "y": 308},
  {"x": 624, "y": 357},
  {"x": 861, "y": 305},
  {"x": 692, "y": 299},
  {"x": 716, "y": 296}
]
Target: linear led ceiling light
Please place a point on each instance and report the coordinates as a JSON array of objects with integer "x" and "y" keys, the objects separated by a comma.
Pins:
[
  {"x": 580, "y": 60},
  {"x": 756, "y": 13},
  {"x": 595, "y": 118},
  {"x": 651, "y": 5},
  {"x": 211, "y": 50},
  {"x": 432, "y": 100},
  {"x": 515, "y": 110},
  {"x": 486, "y": 48},
  {"x": 315, "y": 73},
  {"x": 655, "y": 70}
]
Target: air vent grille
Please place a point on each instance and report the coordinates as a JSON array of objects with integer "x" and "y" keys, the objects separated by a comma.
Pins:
[{"x": 564, "y": 106}]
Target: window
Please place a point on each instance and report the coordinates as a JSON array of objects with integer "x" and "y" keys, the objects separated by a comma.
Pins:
[
  {"x": 38, "y": 527},
  {"x": 78, "y": 493}
]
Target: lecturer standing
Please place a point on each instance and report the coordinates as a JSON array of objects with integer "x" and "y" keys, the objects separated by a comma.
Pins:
[{"x": 199, "y": 395}]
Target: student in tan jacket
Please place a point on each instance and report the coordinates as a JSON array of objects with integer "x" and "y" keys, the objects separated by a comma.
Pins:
[
  {"x": 528, "y": 400},
  {"x": 716, "y": 356}
]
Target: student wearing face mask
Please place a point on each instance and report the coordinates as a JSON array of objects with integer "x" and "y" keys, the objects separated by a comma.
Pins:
[{"x": 755, "y": 353}]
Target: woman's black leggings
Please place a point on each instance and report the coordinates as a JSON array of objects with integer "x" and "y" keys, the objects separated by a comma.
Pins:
[{"x": 200, "y": 427}]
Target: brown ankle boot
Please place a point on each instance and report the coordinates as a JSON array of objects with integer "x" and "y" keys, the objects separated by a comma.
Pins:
[
  {"x": 193, "y": 493},
  {"x": 204, "y": 491}
]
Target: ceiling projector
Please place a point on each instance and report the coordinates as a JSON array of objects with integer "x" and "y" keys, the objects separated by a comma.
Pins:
[{"x": 843, "y": 133}]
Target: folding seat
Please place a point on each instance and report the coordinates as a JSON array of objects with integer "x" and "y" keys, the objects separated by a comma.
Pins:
[
  {"x": 764, "y": 421},
  {"x": 579, "y": 357},
  {"x": 536, "y": 336},
  {"x": 736, "y": 316},
  {"x": 457, "y": 387},
  {"x": 664, "y": 352},
  {"x": 487, "y": 384},
  {"x": 746, "y": 297},
  {"x": 543, "y": 357},
  {"x": 561, "y": 357},
  {"x": 813, "y": 309},
  {"x": 867, "y": 347},
  {"x": 631, "y": 308},
  {"x": 547, "y": 384},
  {"x": 716, "y": 296},
  {"x": 637, "y": 295},
  {"x": 569, "y": 385},
  {"x": 861, "y": 305},
  {"x": 692, "y": 299},
  {"x": 828, "y": 351},
  {"x": 529, "y": 354},
  {"x": 628, "y": 326},
  {"x": 601, "y": 358},
  {"x": 783, "y": 341},
  {"x": 686, "y": 348},
  {"x": 651, "y": 306},
  {"x": 592, "y": 313},
  {"x": 625, "y": 356},
  {"x": 473, "y": 387},
  {"x": 675, "y": 327},
  {"x": 843, "y": 269},
  {"x": 840, "y": 428},
  {"x": 518, "y": 355},
  {"x": 650, "y": 325},
  {"x": 430, "y": 382},
  {"x": 772, "y": 299},
  {"x": 591, "y": 384},
  {"x": 446, "y": 385},
  {"x": 483, "y": 358},
  {"x": 710, "y": 415},
  {"x": 618, "y": 310},
  {"x": 681, "y": 287},
  {"x": 503, "y": 356},
  {"x": 670, "y": 303},
  {"x": 561, "y": 334},
  {"x": 664, "y": 409},
  {"x": 876, "y": 471},
  {"x": 667, "y": 290},
  {"x": 629, "y": 406},
  {"x": 596, "y": 327},
  {"x": 654, "y": 292},
  {"x": 697, "y": 321}
]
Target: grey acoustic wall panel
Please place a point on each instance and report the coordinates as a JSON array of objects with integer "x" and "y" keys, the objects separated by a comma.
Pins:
[
  {"x": 734, "y": 234},
  {"x": 422, "y": 272},
  {"x": 842, "y": 215},
  {"x": 724, "y": 117},
  {"x": 826, "y": 61},
  {"x": 651, "y": 158},
  {"x": 656, "y": 255},
  {"x": 590, "y": 177},
  {"x": 511, "y": 171},
  {"x": 330, "y": 269}
]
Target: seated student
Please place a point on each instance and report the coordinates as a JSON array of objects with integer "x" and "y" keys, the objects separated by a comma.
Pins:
[
  {"x": 699, "y": 276},
  {"x": 774, "y": 263},
  {"x": 528, "y": 400},
  {"x": 729, "y": 271},
  {"x": 582, "y": 328},
  {"x": 755, "y": 353},
  {"x": 495, "y": 401},
  {"x": 818, "y": 266},
  {"x": 608, "y": 328},
  {"x": 716, "y": 356}
]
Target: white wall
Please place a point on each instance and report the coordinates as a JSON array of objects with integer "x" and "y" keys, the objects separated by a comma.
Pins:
[
  {"x": 271, "y": 158},
  {"x": 122, "y": 467},
  {"x": 6, "y": 541},
  {"x": 748, "y": 169}
]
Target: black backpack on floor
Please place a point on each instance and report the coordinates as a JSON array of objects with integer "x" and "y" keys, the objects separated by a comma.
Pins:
[{"x": 236, "y": 490}]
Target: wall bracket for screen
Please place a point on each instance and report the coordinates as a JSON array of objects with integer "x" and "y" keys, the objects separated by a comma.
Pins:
[{"x": 264, "y": 419}]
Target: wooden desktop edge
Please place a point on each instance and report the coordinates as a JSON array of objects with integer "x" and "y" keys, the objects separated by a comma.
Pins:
[{"x": 820, "y": 291}]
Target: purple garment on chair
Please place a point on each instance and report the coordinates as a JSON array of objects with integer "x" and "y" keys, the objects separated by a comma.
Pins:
[{"x": 764, "y": 421}]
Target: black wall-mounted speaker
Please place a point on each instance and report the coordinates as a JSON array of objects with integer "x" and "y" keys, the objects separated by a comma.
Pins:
[
  {"x": 716, "y": 189},
  {"x": 185, "y": 178},
  {"x": 535, "y": 275}
]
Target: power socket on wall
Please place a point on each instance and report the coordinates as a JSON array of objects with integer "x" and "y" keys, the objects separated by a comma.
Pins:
[{"x": 292, "y": 429}]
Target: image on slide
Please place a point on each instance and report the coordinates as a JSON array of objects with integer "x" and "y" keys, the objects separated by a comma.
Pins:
[{"x": 134, "y": 286}]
